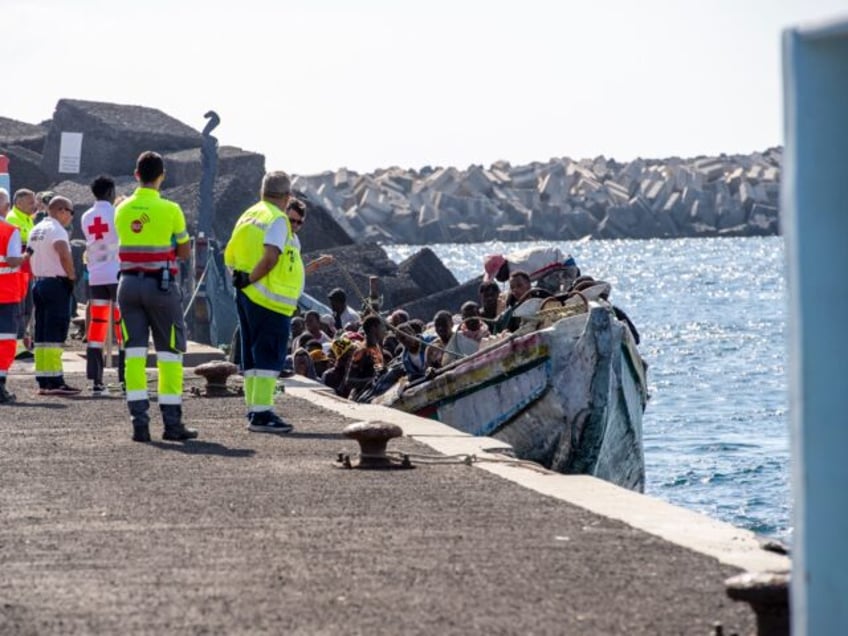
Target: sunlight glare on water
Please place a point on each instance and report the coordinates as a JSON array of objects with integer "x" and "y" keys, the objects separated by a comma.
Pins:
[{"x": 711, "y": 314}]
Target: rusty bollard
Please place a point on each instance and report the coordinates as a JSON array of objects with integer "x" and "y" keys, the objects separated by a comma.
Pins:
[
  {"x": 768, "y": 595},
  {"x": 373, "y": 437},
  {"x": 216, "y": 374}
]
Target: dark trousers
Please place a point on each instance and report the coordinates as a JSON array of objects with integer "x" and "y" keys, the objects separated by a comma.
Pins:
[
  {"x": 51, "y": 299},
  {"x": 264, "y": 335}
]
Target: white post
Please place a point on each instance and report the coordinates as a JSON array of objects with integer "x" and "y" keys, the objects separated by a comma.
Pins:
[{"x": 815, "y": 224}]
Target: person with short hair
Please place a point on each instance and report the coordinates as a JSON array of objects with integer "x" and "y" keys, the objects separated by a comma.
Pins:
[
  {"x": 519, "y": 286},
  {"x": 42, "y": 199},
  {"x": 21, "y": 216},
  {"x": 342, "y": 314},
  {"x": 152, "y": 237},
  {"x": 53, "y": 268},
  {"x": 443, "y": 326},
  {"x": 296, "y": 211},
  {"x": 11, "y": 257},
  {"x": 490, "y": 302},
  {"x": 368, "y": 361},
  {"x": 312, "y": 323},
  {"x": 414, "y": 355},
  {"x": 101, "y": 248},
  {"x": 268, "y": 276}
]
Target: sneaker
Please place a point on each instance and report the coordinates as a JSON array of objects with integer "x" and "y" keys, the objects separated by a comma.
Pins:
[
  {"x": 268, "y": 422},
  {"x": 60, "y": 390},
  {"x": 98, "y": 389}
]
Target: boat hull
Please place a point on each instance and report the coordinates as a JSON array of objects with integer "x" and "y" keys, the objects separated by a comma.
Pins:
[{"x": 570, "y": 397}]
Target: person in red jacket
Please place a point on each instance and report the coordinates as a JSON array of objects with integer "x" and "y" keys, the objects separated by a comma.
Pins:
[{"x": 11, "y": 288}]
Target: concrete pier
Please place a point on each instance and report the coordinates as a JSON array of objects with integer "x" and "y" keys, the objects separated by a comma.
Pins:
[{"x": 239, "y": 532}]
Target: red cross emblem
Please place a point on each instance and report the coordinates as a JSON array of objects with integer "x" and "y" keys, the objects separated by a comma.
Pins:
[{"x": 98, "y": 228}]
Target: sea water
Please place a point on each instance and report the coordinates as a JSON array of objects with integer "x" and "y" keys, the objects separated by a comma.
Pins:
[{"x": 712, "y": 318}]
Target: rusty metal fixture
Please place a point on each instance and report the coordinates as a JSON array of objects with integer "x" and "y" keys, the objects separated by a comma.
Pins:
[
  {"x": 768, "y": 595},
  {"x": 373, "y": 438},
  {"x": 216, "y": 374}
]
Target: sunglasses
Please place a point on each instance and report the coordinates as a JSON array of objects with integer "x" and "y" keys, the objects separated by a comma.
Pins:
[
  {"x": 296, "y": 221},
  {"x": 64, "y": 209}
]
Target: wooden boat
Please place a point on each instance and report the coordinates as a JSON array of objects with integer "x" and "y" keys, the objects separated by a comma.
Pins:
[{"x": 567, "y": 390}]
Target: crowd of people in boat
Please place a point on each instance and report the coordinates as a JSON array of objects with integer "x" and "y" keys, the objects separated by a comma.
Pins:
[{"x": 359, "y": 356}]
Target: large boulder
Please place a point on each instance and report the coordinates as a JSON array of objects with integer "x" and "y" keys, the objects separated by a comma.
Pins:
[
  {"x": 25, "y": 168},
  {"x": 231, "y": 197},
  {"x": 185, "y": 167},
  {"x": 18, "y": 133},
  {"x": 351, "y": 271},
  {"x": 113, "y": 136},
  {"x": 428, "y": 272},
  {"x": 321, "y": 230}
]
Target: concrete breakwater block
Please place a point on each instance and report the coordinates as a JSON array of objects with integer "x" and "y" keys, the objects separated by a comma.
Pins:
[
  {"x": 114, "y": 135},
  {"x": 185, "y": 166},
  {"x": 19, "y": 133}
]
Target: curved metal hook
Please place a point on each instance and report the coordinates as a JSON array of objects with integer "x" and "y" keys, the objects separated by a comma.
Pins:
[{"x": 213, "y": 122}]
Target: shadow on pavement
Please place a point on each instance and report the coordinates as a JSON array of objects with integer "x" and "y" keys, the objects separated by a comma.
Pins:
[
  {"x": 296, "y": 434},
  {"x": 40, "y": 405},
  {"x": 195, "y": 447}
]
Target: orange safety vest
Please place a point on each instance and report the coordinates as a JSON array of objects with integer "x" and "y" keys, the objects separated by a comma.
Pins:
[{"x": 10, "y": 277}]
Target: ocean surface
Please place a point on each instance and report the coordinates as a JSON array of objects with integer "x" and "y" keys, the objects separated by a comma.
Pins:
[{"x": 712, "y": 317}]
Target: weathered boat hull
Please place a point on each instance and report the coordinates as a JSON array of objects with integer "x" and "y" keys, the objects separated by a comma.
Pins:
[{"x": 570, "y": 397}]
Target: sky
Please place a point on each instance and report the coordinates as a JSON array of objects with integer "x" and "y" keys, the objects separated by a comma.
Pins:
[{"x": 371, "y": 84}]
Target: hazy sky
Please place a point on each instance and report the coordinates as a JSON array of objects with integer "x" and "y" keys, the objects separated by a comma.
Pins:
[{"x": 374, "y": 83}]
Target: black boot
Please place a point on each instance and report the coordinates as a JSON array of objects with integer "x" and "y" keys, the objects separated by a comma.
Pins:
[
  {"x": 5, "y": 396},
  {"x": 140, "y": 420},
  {"x": 175, "y": 431}
]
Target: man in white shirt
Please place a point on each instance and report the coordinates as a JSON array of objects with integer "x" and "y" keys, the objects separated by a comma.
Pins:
[
  {"x": 53, "y": 269},
  {"x": 101, "y": 249}
]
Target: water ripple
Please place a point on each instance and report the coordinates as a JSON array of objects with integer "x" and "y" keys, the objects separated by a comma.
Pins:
[{"x": 711, "y": 313}]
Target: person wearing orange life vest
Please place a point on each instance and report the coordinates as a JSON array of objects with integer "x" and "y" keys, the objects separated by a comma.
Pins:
[
  {"x": 101, "y": 248},
  {"x": 268, "y": 276},
  {"x": 22, "y": 216},
  {"x": 151, "y": 237},
  {"x": 11, "y": 257}
]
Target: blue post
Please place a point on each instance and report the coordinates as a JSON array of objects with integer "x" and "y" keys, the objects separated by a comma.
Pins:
[{"x": 815, "y": 224}]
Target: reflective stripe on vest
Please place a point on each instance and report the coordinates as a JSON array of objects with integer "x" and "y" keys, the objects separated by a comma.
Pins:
[
  {"x": 148, "y": 228},
  {"x": 10, "y": 277}
]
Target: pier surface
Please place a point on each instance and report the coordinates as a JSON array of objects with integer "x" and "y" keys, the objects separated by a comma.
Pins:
[{"x": 239, "y": 532}]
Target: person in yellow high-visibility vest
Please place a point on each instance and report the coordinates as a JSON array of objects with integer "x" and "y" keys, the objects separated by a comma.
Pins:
[
  {"x": 151, "y": 237},
  {"x": 268, "y": 275}
]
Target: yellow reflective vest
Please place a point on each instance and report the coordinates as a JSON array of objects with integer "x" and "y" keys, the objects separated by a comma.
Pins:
[
  {"x": 21, "y": 220},
  {"x": 280, "y": 288}
]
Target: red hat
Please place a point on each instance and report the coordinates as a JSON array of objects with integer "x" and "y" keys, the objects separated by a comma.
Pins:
[{"x": 492, "y": 265}]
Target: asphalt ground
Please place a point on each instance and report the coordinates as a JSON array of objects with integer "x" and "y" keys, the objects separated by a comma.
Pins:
[{"x": 247, "y": 533}]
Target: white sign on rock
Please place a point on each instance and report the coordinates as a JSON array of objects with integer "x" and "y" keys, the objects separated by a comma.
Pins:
[{"x": 70, "y": 151}]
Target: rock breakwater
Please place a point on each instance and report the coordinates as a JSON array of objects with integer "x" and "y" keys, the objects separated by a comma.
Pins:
[{"x": 561, "y": 199}]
